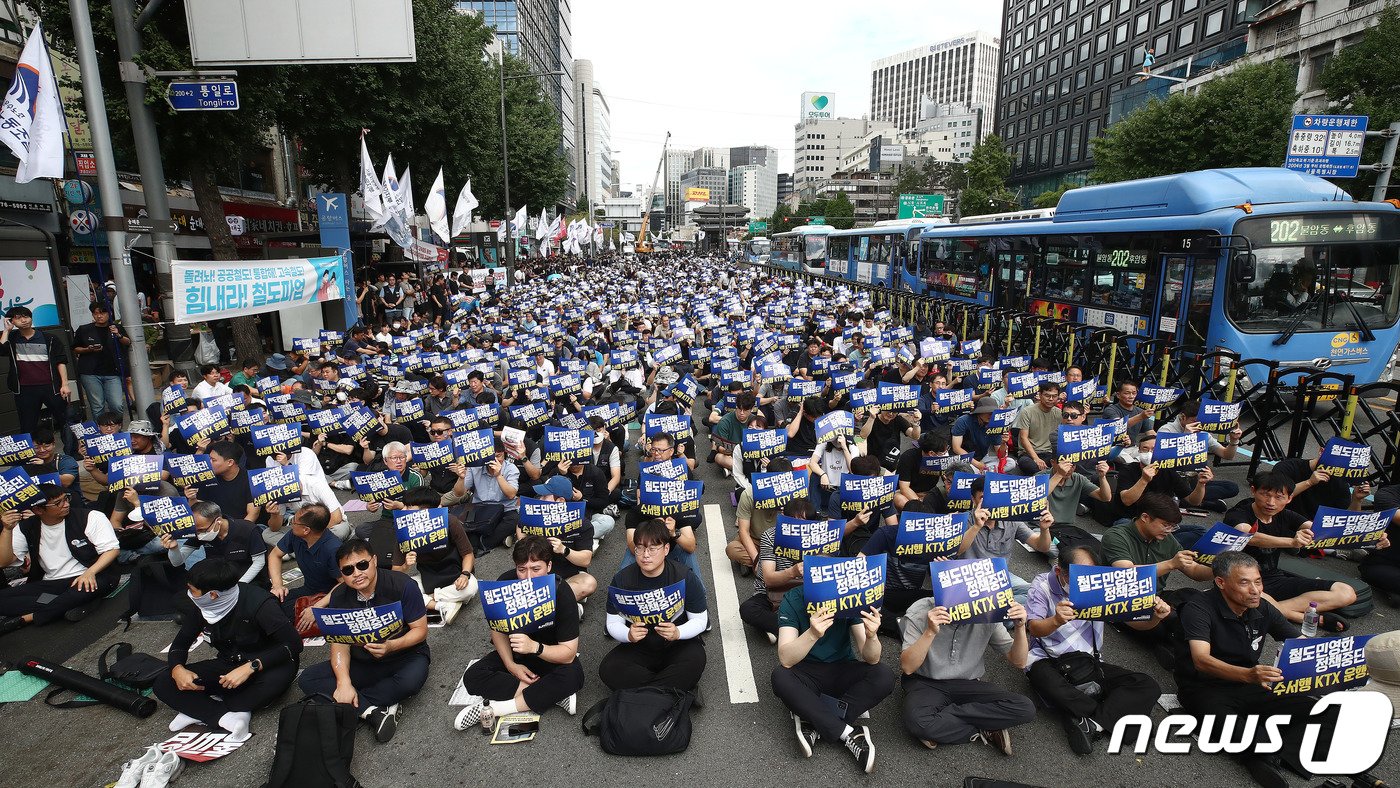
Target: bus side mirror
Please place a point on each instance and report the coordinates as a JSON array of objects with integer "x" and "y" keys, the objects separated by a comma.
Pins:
[{"x": 1244, "y": 265}]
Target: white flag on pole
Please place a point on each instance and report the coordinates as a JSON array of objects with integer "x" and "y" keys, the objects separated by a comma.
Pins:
[
  {"x": 436, "y": 209},
  {"x": 501, "y": 231},
  {"x": 31, "y": 119},
  {"x": 542, "y": 228},
  {"x": 519, "y": 222},
  {"x": 406, "y": 196},
  {"x": 462, "y": 214},
  {"x": 370, "y": 187},
  {"x": 393, "y": 207}
]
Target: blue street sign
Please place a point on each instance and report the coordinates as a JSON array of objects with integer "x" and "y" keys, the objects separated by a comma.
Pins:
[
  {"x": 1328, "y": 146},
  {"x": 204, "y": 94}
]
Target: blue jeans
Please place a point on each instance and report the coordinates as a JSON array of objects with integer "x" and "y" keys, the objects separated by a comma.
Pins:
[
  {"x": 150, "y": 548},
  {"x": 104, "y": 393}
]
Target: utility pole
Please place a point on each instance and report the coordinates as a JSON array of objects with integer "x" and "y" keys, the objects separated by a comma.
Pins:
[
  {"x": 143, "y": 131},
  {"x": 107, "y": 187}
]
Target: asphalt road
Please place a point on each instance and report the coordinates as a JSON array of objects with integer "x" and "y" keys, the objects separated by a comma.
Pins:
[{"x": 743, "y": 735}]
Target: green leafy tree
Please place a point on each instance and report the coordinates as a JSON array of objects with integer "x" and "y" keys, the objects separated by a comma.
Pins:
[
  {"x": 1237, "y": 120},
  {"x": 986, "y": 172},
  {"x": 1364, "y": 79},
  {"x": 1051, "y": 199},
  {"x": 839, "y": 211}
]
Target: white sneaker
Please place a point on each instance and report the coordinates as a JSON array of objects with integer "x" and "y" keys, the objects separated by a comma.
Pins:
[
  {"x": 569, "y": 704},
  {"x": 342, "y": 484},
  {"x": 448, "y": 610},
  {"x": 133, "y": 769},
  {"x": 163, "y": 771},
  {"x": 772, "y": 638}
]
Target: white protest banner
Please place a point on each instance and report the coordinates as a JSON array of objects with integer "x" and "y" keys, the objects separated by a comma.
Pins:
[{"x": 214, "y": 289}]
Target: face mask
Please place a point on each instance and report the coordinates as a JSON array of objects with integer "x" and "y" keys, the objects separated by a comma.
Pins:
[
  {"x": 215, "y": 608},
  {"x": 207, "y": 536}
]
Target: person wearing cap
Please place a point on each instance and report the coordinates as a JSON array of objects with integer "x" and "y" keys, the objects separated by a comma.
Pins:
[
  {"x": 38, "y": 373},
  {"x": 71, "y": 554},
  {"x": 969, "y": 434},
  {"x": 101, "y": 350},
  {"x": 572, "y": 557}
]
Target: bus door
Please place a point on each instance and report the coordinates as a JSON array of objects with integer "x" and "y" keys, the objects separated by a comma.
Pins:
[
  {"x": 1012, "y": 272},
  {"x": 1182, "y": 312}
]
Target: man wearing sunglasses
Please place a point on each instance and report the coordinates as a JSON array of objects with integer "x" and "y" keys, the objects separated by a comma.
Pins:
[
  {"x": 374, "y": 677},
  {"x": 72, "y": 552}
]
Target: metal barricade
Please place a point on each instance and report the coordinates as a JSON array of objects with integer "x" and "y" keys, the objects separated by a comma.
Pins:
[{"x": 1373, "y": 419}]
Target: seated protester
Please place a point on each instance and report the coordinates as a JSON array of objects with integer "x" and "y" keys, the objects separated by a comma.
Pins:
[
  {"x": 818, "y": 655},
  {"x": 256, "y": 652},
  {"x": 914, "y": 479},
  {"x": 1313, "y": 488},
  {"x": 373, "y": 677},
  {"x": 1124, "y": 405},
  {"x": 572, "y": 558},
  {"x": 662, "y": 446},
  {"x": 527, "y": 672},
  {"x": 751, "y": 521},
  {"x": 1067, "y": 488},
  {"x": 211, "y": 383},
  {"x": 235, "y": 542},
  {"x": 882, "y": 434},
  {"x": 828, "y": 463},
  {"x": 368, "y": 453},
  {"x": 1217, "y": 490},
  {"x": 969, "y": 435},
  {"x": 247, "y": 374},
  {"x": 1147, "y": 539},
  {"x": 315, "y": 488},
  {"x": 380, "y": 533},
  {"x": 945, "y": 699},
  {"x": 1037, "y": 426},
  {"x": 444, "y": 477},
  {"x": 728, "y": 431},
  {"x": 444, "y": 572},
  {"x": 862, "y": 524},
  {"x": 310, "y": 541},
  {"x": 48, "y": 453},
  {"x": 988, "y": 538},
  {"x": 802, "y": 430},
  {"x": 590, "y": 483},
  {"x": 1220, "y": 672},
  {"x": 1276, "y": 528},
  {"x": 773, "y": 576},
  {"x": 1055, "y": 631},
  {"x": 134, "y": 536},
  {"x": 229, "y": 487},
  {"x": 71, "y": 552},
  {"x": 668, "y": 654},
  {"x": 1381, "y": 567},
  {"x": 495, "y": 511},
  {"x": 905, "y": 578},
  {"x": 607, "y": 457},
  {"x": 93, "y": 476}
]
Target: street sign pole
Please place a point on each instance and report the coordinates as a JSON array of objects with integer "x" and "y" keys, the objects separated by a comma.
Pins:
[{"x": 1392, "y": 137}]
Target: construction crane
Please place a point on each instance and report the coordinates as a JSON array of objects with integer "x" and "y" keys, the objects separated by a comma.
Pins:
[{"x": 643, "y": 239}]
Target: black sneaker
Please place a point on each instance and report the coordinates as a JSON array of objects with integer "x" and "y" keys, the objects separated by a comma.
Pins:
[
  {"x": 1080, "y": 731},
  {"x": 10, "y": 624},
  {"x": 79, "y": 613},
  {"x": 384, "y": 722},
  {"x": 860, "y": 746},
  {"x": 1264, "y": 770},
  {"x": 807, "y": 736}
]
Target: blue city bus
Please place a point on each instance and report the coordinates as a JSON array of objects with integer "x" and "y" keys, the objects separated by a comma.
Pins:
[
  {"x": 756, "y": 251},
  {"x": 1264, "y": 262},
  {"x": 802, "y": 249},
  {"x": 872, "y": 255}
]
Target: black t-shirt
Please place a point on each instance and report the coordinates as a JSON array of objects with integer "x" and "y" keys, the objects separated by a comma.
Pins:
[
  {"x": 562, "y": 629},
  {"x": 805, "y": 441},
  {"x": 389, "y": 587},
  {"x": 582, "y": 539},
  {"x": 232, "y": 497},
  {"x": 1235, "y": 640},
  {"x": 884, "y": 436},
  {"x": 243, "y": 542},
  {"x": 630, "y": 578},
  {"x": 103, "y": 363},
  {"x": 1285, "y": 524},
  {"x": 1168, "y": 481},
  {"x": 690, "y": 520},
  {"x": 910, "y": 470},
  {"x": 1335, "y": 493},
  {"x": 1387, "y": 497}
]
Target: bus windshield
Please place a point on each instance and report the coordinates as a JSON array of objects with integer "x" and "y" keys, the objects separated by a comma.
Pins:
[
  {"x": 1325, "y": 272},
  {"x": 814, "y": 247}
]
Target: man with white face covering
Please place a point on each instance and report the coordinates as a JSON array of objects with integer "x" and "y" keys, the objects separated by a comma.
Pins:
[
  {"x": 257, "y": 652},
  {"x": 233, "y": 540}
]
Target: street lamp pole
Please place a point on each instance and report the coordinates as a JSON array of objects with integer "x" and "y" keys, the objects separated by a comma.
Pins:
[{"x": 505, "y": 162}]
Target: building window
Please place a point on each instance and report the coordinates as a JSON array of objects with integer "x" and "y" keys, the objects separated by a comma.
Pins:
[
  {"x": 1141, "y": 22},
  {"x": 1084, "y": 51},
  {"x": 1040, "y": 49},
  {"x": 1075, "y": 141},
  {"x": 1189, "y": 5},
  {"x": 1099, "y": 71},
  {"x": 1054, "y": 40},
  {"x": 1118, "y": 63},
  {"x": 1040, "y": 73},
  {"x": 1087, "y": 23},
  {"x": 1068, "y": 59},
  {"x": 1185, "y": 35},
  {"x": 1161, "y": 44},
  {"x": 1045, "y": 142},
  {"x": 1058, "y": 17},
  {"x": 1059, "y": 147},
  {"x": 1215, "y": 21},
  {"x": 1105, "y": 13},
  {"x": 1095, "y": 100},
  {"x": 1164, "y": 11},
  {"x": 1063, "y": 112},
  {"x": 1120, "y": 34}
]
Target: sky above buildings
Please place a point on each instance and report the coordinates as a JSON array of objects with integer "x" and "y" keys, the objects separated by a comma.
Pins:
[{"x": 726, "y": 73}]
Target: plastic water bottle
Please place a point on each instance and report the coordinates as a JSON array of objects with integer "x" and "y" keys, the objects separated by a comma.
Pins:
[{"x": 1310, "y": 621}]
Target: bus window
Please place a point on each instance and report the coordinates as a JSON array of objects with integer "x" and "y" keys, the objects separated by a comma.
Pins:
[
  {"x": 814, "y": 249},
  {"x": 1122, "y": 280},
  {"x": 951, "y": 265},
  {"x": 1309, "y": 285},
  {"x": 1064, "y": 266},
  {"x": 906, "y": 250},
  {"x": 838, "y": 248}
]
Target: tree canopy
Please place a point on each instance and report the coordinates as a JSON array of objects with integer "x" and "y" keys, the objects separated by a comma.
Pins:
[{"x": 1364, "y": 79}]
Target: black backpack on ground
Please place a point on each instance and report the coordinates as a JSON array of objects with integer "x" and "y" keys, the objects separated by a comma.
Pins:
[
  {"x": 641, "y": 721},
  {"x": 315, "y": 743}
]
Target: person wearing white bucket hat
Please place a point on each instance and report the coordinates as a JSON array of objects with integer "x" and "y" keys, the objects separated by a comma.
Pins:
[{"x": 1383, "y": 667}]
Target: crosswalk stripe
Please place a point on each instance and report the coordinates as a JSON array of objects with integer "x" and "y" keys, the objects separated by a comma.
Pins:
[{"x": 738, "y": 668}]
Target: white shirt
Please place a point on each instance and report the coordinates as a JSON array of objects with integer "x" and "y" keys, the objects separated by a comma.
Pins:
[
  {"x": 54, "y": 555},
  {"x": 315, "y": 488},
  {"x": 204, "y": 391}
]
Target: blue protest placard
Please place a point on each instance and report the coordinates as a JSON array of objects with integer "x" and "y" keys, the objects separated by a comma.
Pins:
[
  {"x": 168, "y": 516},
  {"x": 836, "y": 424},
  {"x": 774, "y": 372},
  {"x": 623, "y": 359},
  {"x": 1084, "y": 444},
  {"x": 1314, "y": 666},
  {"x": 797, "y": 539},
  {"x": 85, "y": 430},
  {"x": 278, "y": 484},
  {"x": 672, "y": 469},
  {"x": 565, "y": 385},
  {"x": 898, "y": 396},
  {"x": 377, "y": 485},
  {"x": 18, "y": 489},
  {"x": 1020, "y": 383},
  {"x": 959, "y": 368},
  {"x": 102, "y": 448},
  {"x": 1001, "y": 421},
  {"x": 359, "y": 626},
  {"x": 189, "y": 470},
  {"x": 561, "y": 444},
  {"x": 519, "y": 378},
  {"x": 930, "y": 536},
  {"x": 801, "y": 389},
  {"x": 559, "y": 519},
  {"x": 1082, "y": 391},
  {"x": 667, "y": 498},
  {"x": 202, "y": 425},
  {"x": 1152, "y": 397},
  {"x": 653, "y": 606},
  {"x": 935, "y": 351},
  {"x": 1182, "y": 450},
  {"x": 1221, "y": 538},
  {"x": 1113, "y": 594},
  {"x": 323, "y": 422},
  {"x": 844, "y": 586},
  {"x": 518, "y": 605},
  {"x": 48, "y": 478},
  {"x": 141, "y": 472},
  {"x": 975, "y": 591},
  {"x": 987, "y": 378},
  {"x": 1334, "y": 528},
  {"x": 172, "y": 399},
  {"x": 533, "y": 414},
  {"x": 763, "y": 443},
  {"x": 775, "y": 490},
  {"x": 16, "y": 449},
  {"x": 476, "y": 447},
  {"x": 1219, "y": 417},
  {"x": 408, "y": 411},
  {"x": 844, "y": 381},
  {"x": 971, "y": 347},
  {"x": 421, "y": 529},
  {"x": 865, "y": 400},
  {"x": 859, "y": 493},
  {"x": 273, "y": 439},
  {"x": 241, "y": 420},
  {"x": 1345, "y": 459},
  {"x": 480, "y": 417},
  {"x": 426, "y": 456},
  {"x": 934, "y": 464},
  {"x": 948, "y": 401},
  {"x": 1009, "y": 497},
  {"x": 359, "y": 423},
  {"x": 677, "y": 426},
  {"x": 960, "y": 492}
]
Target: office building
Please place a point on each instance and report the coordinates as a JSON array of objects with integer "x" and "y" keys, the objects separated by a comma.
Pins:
[
  {"x": 593, "y": 155},
  {"x": 755, "y": 187},
  {"x": 678, "y": 163},
  {"x": 820, "y": 145},
  {"x": 960, "y": 71},
  {"x": 784, "y": 186},
  {"x": 762, "y": 155}
]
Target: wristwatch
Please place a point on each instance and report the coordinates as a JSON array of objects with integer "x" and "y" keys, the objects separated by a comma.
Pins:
[
  {"x": 464, "y": 574},
  {"x": 539, "y": 648},
  {"x": 567, "y": 550},
  {"x": 256, "y": 665}
]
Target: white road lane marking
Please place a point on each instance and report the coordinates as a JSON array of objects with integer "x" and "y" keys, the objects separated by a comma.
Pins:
[{"x": 738, "y": 668}]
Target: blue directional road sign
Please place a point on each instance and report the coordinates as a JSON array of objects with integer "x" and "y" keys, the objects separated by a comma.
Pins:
[
  {"x": 1328, "y": 146},
  {"x": 203, "y": 94}
]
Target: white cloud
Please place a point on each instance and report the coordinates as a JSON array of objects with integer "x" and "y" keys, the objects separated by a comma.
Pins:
[{"x": 722, "y": 72}]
